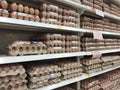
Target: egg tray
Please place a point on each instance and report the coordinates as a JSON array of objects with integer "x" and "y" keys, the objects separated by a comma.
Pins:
[
  {"x": 12, "y": 78},
  {"x": 44, "y": 83},
  {"x": 42, "y": 78},
  {"x": 71, "y": 73},
  {"x": 88, "y": 3},
  {"x": 24, "y": 49},
  {"x": 93, "y": 70},
  {"x": 11, "y": 70},
  {"x": 12, "y": 84},
  {"x": 96, "y": 87}
]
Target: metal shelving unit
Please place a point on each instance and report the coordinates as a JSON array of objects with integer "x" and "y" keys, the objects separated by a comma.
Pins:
[{"x": 15, "y": 24}]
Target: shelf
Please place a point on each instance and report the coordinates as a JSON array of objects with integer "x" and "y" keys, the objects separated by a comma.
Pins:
[
  {"x": 104, "y": 51},
  {"x": 17, "y": 24},
  {"x": 87, "y": 8},
  {"x": 73, "y": 80},
  {"x": 15, "y": 59}
]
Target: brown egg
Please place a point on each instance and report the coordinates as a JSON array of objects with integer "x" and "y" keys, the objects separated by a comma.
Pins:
[
  {"x": 4, "y": 4},
  {"x": 32, "y": 11},
  {"x": 20, "y": 17},
  {"x": 13, "y": 7},
  {"x": 43, "y": 20},
  {"x": 48, "y": 15},
  {"x": 44, "y": 7},
  {"x": 44, "y": 14},
  {"x": 5, "y": 13},
  {"x": 26, "y": 17},
  {"x": 37, "y": 18},
  {"x": 37, "y": 12},
  {"x": 0, "y": 12},
  {"x": 26, "y": 9},
  {"x": 6, "y": 69},
  {"x": 20, "y": 8},
  {"x": 13, "y": 15},
  {"x": 60, "y": 10}
]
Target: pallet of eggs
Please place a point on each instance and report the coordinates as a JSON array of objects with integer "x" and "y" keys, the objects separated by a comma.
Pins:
[
  {"x": 107, "y": 7},
  {"x": 72, "y": 43},
  {"x": 87, "y": 2},
  {"x": 90, "y": 84},
  {"x": 69, "y": 69},
  {"x": 53, "y": 14},
  {"x": 98, "y": 4},
  {"x": 26, "y": 48},
  {"x": 23, "y": 12},
  {"x": 91, "y": 65},
  {"x": 4, "y": 8},
  {"x": 12, "y": 77},
  {"x": 42, "y": 74},
  {"x": 90, "y": 44},
  {"x": 60, "y": 43}
]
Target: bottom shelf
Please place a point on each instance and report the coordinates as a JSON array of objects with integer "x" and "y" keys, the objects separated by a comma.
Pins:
[{"x": 72, "y": 80}]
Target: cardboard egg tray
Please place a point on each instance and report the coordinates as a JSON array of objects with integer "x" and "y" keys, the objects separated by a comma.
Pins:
[
  {"x": 26, "y": 48},
  {"x": 98, "y": 4},
  {"x": 87, "y": 2}
]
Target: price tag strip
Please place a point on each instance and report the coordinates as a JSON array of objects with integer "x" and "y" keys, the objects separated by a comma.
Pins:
[
  {"x": 96, "y": 54},
  {"x": 99, "y": 12},
  {"x": 97, "y": 34}
]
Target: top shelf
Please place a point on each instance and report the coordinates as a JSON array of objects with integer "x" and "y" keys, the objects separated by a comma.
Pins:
[{"x": 89, "y": 9}]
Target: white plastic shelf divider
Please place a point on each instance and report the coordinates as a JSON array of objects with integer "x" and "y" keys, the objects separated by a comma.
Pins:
[
  {"x": 104, "y": 51},
  {"x": 87, "y": 8},
  {"x": 15, "y": 59},
  {"x": 73, "y": 80}
]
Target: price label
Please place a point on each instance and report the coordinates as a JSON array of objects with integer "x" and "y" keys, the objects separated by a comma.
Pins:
[
  {"x": 59, "y": 27},
  {"x": 89, "y": 30},
  {"x": 96, "y": 54},
  {"x": 97, "y": 34},
  {"x": 99, "y": 12},
  {"x": 88, "y": 75}
]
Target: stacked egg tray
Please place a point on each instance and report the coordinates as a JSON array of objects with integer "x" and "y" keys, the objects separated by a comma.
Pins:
[
  {"x": 68, "y": 87},
  {"x": 111, "y": 8},
  {"x": 47, "y": 13},
  {"x": 104, "y": 24},
  {"x": 26, "y": 48},
  {"x": 90, "y": 44},
  {"x": 12, "y": 77},
  {"x": 41, "y": 74},
  {"x": 98, "y": 4},
  {"x": 87, "y": 2},
  {"x": 107, "y": 81},
  {"x": 91, "y": 65},
  {"x": 60, "y": 43},
  {"x": 70, "y": 69},
  {"x": 53, "y": 14}
]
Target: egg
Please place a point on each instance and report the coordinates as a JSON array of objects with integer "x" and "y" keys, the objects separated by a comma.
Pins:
[
  {"x": 5, "y": 13},
  {"x": 20, "y": 8},
  {"x": 26, "y": 9},
  {"x": 32, "y": 11},
  {"x": 13, "y": 7},
  {"x": 37, "y": 12},
  {"x": 4, "y": 4},
  {"x": 37, "y": 18},
  {"x": 13, "y": 15}
]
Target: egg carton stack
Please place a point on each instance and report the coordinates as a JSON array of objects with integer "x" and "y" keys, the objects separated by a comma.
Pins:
[
  {"x": 118, "y": 28},
  {"x": 51, "y": 14},
  {"x": 113, "y": 26},
  {"x": 55, "y": 42},
  {"x": 87, "y": 22},
  {"x": 87, "y": 2},
  {"x": 42, "y": 74},
  {"x": 107, "y": 7},
  {"x": 26, "y": 48},
  {"x": 12, "y": 77},
  {"x": 23, "y": 12},
  {"x": 90, "y": 84},
  {"x": 70, "y": 69},
  {"x": 106, "y": 25},
  {"x": 98, "y": 25},
  {"x": 72, "y": 43},
  {"x": 109, "y": 81},
  {"x": 90, "y": 44},
  {"x": 91, "y": 65},
  {"x": 115, "y": 10},
  {"x": 98, "y": 4},
  {"x": 4, "y": 8},
  {"x": 111, "y": 43},
  {"x": 68, "y": 87},
  {"x": 70, "y": 18}
]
